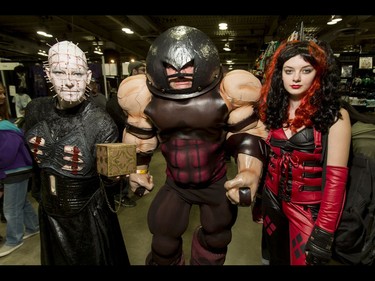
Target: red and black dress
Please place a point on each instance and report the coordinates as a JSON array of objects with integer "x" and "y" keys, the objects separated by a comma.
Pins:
[{"x": 292, "y": 194}]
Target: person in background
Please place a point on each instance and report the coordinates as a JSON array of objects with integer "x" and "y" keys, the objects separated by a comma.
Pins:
[
  {"x": 4, "y": 112},
  {"x": 136, "y": 67},
  {"x": 15, "y": 172},
  {"x": 354, "y": 238},
  {"x": 96, "y": 95},
  {"x": 185, "y": 105},
  {"x": 299, "y": 104},
  {"x": 2, "y": 216},
  {"x": 119, "y": 116},
  {"x": 77, "y": 223},
  {"x": 363, "y": 131},
  {"x": 21, "y": 99}
]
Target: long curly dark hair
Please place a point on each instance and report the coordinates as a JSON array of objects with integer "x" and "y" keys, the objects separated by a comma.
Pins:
[{"x": 319, "y": 107}]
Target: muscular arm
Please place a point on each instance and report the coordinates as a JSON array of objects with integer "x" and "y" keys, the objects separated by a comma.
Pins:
[
  {"x": 133, "y": 96},
  {"x": 240, "y": 89}
]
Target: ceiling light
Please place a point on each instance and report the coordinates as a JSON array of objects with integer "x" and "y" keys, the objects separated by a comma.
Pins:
[
  {"x": 42, "y": 53},
  {"x": 223, "y": 26},
  {"x": 43, "y": 33},
  {"x": 334, "y": 19},
  {"x": 98, "y": 51},
  {"x": 227, "y": 47},
  {"x": 127, "y": 30}
]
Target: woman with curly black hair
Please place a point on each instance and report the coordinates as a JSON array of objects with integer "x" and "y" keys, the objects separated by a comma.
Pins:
[{"x": 302, "y": 200}]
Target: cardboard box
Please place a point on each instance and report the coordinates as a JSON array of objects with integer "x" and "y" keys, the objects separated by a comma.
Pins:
[{"x": 116, "y": 159}]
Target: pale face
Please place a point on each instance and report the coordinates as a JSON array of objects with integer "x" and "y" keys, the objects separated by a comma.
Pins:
[
  {"x": 178, "y": 83},
  {"x": 297, "y": 75},
  {"x": 68, "y": 73}
]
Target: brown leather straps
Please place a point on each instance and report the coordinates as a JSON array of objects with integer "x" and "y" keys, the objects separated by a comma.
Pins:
[{"x": 245, "y": 196}]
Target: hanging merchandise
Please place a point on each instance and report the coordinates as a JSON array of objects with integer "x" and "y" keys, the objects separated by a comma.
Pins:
[
  {"x": 297, "y": 34},
  {"x": 293, "y": 36},
  {"x": 268, "y": 53}
]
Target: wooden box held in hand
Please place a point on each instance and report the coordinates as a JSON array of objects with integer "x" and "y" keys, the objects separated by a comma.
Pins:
[{"x": 116, "y": 159}]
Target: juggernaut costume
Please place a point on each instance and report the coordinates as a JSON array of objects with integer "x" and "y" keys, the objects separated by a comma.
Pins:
[
  {"x": 194, "y": 127},
  {"x": 77, "y": 226}
]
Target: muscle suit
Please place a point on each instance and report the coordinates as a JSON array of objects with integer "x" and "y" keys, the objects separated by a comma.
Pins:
[{"x": 192, "y": 126}]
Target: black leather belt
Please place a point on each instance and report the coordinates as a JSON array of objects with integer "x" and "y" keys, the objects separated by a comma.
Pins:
[{"x": 62, "y": 196}]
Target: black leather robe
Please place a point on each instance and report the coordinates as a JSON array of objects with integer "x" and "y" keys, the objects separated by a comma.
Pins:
[{"x": 77, "y": 226}]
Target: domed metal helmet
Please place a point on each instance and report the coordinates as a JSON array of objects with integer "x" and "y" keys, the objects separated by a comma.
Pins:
[{"x": 178, "y": 47}]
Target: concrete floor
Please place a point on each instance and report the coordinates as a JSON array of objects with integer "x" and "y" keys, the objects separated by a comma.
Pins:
[{"x": 243, "y": 250}]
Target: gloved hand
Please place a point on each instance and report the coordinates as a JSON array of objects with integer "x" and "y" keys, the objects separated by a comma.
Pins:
[{"x": 319, "y": 247}]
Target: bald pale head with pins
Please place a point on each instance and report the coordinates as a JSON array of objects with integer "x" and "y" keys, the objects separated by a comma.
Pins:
[{"x": 68, "y": 72}]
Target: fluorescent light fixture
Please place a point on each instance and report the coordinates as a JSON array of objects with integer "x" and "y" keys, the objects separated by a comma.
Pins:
[
  {"x": 227, "y": 47},
  {"x": 98, "y": 51},
  {"x": 42, "y": 53},
  {"x": 43, "y": 33},
  {"x": 223, "y": 26},
  {"x": 127, "y": 30},
  {"x": 334, "y": 19}
]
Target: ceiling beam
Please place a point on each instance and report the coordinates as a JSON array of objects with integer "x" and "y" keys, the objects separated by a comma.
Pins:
[
  {"x": 86, "y": 26},
  {"x": 20, "y": 46}
]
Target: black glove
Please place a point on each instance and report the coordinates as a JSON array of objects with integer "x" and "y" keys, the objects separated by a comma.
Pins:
[{"x": 319, "y": 247}]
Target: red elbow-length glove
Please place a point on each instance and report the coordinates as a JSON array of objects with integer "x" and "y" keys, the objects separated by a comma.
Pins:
[{"x": 318, "y": 248}]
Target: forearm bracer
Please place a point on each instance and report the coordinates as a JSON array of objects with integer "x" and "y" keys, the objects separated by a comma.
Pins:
[{"x": 143, "y": 158}]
